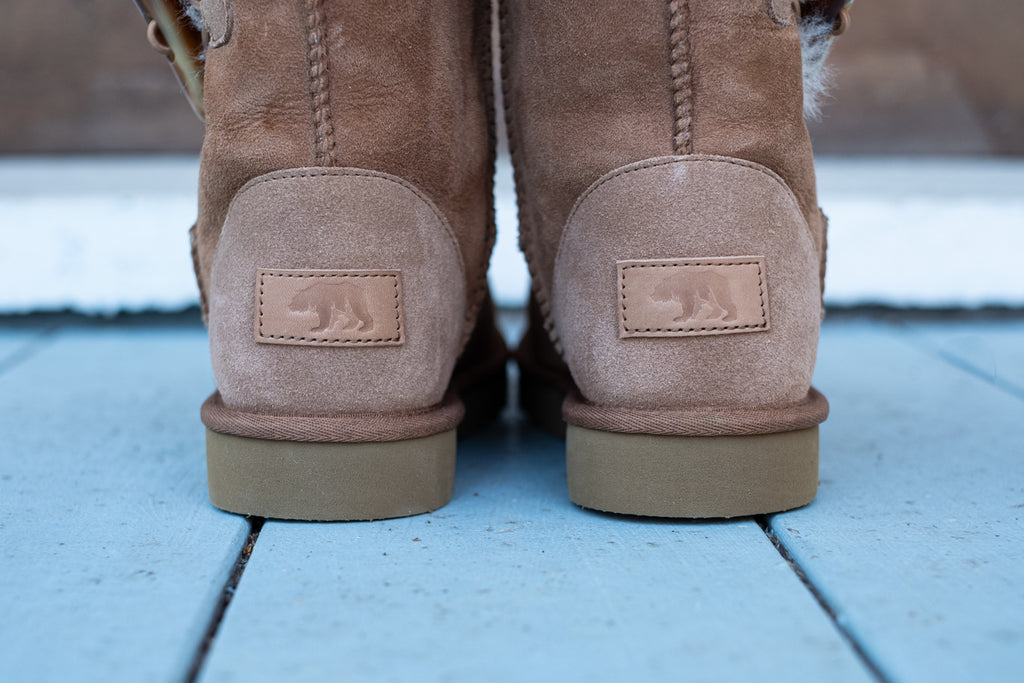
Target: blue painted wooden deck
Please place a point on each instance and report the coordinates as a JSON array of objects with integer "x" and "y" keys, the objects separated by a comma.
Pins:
[{"x": 908, "y": 567}]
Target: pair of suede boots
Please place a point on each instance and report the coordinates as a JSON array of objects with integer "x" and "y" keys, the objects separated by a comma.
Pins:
[{"x": 667, "y": 211}]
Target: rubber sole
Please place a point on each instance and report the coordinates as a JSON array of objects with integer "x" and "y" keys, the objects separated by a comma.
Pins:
[
  {"x": 691, "y": 476},
  {"x": 330, "y": 481}
]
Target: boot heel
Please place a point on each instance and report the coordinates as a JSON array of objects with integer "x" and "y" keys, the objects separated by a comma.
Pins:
[
  {"x": 691, "y": 476},
  {"x": 335, "y": 325},
  {"x": 330, "y": 481}
]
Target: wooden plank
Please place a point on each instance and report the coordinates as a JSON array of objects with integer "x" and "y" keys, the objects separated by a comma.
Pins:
[
  {"x": 994, "y": 350},
  {"x": 17, "y": 344},
  {"x": 112, "y": 558},
  {"x": 917, "y": 535},
  {"x": 511, "y": 582}
]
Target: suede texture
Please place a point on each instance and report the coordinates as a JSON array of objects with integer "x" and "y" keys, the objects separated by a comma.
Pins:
[
  {"x": 747, "y": 92},
  {"x": 594, "y": 87},
  {"x": 336, "y": 219},
  {"x": 687, "y": 207},
  {"x": 587, "y": 89},
  {"x": 397, "y": 87}
]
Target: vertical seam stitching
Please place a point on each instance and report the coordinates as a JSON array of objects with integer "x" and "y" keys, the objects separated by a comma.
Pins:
[
  {"x": 682, "y": 82},
  {"x": 319, "y": 85}
]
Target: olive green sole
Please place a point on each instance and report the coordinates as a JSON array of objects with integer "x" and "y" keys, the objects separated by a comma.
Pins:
[
  {"x": 330, "y": 481},
  {"x": 691, "y": 476}
]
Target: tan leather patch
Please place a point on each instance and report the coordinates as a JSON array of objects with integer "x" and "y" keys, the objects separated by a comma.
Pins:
[
  {"x": 329, "y": 307},
  {"x": 691, "y": 297}
]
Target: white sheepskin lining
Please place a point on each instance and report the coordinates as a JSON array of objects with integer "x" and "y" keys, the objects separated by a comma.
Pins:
[
  {"x": 192, "y": 12},
  {"x": 815, "y": 42}
]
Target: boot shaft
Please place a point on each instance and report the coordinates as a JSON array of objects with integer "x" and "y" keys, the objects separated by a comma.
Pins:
[
  {"x": 345, "y": 222},
  {"x": 667, "y": 197},
  {"x": 591, "y": 87},
  {"x": 669, "y": 217},
  {"x": 400, "y": 88}
]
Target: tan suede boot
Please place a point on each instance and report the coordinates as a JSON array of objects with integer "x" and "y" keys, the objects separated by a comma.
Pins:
[
  {"x": 669, "y": 217},
  {"x": 345, "y": 224}
]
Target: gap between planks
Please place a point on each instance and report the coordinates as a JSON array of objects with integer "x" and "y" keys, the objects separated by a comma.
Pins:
[
  {"x": 765, "y": 522},
  {"x": 28, "y": 348},
  {"x": 919, "y": 340},
  {"x": 226, "y": 595},
  {"x": 909, "y": 335}
]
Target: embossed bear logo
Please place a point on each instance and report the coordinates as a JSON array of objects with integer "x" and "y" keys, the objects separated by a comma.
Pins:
[
  {"x": 703, "y": 295},
  {"x": 338, "y": 305}
]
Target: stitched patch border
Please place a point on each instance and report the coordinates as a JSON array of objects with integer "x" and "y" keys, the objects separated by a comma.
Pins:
[
  {"x": 384, "y": 294},
  {"x": 747, "y": 274}
]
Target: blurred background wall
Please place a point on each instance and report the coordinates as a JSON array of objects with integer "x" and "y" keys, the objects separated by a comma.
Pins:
[
  {"x": 912, "y": 77},
  {"x": 924, "y": 135}
]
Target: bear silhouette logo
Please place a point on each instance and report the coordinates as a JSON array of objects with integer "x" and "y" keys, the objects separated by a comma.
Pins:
[
  {"x": 354, "y": 308},
  {"x": 703, "y": 296},
  {"x": 692, "y": 297},
  {"x": 338, "y": 305}
]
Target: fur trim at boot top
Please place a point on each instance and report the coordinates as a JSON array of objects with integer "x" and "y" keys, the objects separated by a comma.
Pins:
[
  {"x": 190, "y": 8},
  {"x": 815, "y": 43},
  {"x": 816, "y": 34}
]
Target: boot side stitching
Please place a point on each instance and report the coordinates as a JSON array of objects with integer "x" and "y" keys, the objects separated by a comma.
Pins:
[
  {"x": 527, "y": 235},
  {"x": 204, "y": 302},
  {"x": 696, "y": 420},
  {"x": 682, "y": 82},
  {"x": 344, "y": 427},
  {"x": 476, "y": 291},
  {"x": 319, "y": 84}
]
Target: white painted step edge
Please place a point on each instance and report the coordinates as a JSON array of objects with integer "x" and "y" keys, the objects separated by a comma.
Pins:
[{"x": 107, "y": 234}]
